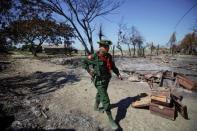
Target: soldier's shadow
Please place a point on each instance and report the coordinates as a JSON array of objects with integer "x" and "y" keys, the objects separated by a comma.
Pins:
[{"x": 122, "y": 106}]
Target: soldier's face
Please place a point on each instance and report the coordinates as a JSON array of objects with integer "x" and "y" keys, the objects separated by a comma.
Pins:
[{"x": 104, "y": 48}]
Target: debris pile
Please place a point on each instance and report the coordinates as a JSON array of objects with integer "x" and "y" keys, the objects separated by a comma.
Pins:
[
  {"x": 163, "y": 102},
  {"x": 66, "y": 61},
  {"x": 167, "y": 104},
  {"x": 166, "y": 79}
]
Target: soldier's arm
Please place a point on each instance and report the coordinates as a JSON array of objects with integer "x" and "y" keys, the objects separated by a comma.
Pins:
[
  {"x": 86, "y": 65},
  {"x": 114, "y": 68}
]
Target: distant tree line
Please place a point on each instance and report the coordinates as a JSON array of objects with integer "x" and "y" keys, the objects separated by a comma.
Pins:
[
  {"x": 189, "y": 44},
  {"x": 130, "y": 37},
  {"x": 134, "y": 40}
]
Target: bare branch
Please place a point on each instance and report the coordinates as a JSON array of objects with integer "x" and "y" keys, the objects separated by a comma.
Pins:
[{"x": 81, "y": 13}]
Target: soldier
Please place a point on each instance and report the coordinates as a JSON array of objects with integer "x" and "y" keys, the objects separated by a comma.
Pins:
[{"x": 102, "y": 65}]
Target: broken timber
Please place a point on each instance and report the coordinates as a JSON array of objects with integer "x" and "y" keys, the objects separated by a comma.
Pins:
[
  {"x": 142, "y": 102},
  {"x": 182, "y": 109}
]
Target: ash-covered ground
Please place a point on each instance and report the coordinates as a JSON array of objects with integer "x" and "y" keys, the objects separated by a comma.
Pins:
[{"x": 57, "y": 94}]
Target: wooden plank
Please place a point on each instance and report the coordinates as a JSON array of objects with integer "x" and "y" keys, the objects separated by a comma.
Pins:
[
  {"x": 163, "y": 92},
  {"x": 161, "y": 96},
  {"x": 161, "y": 99},
  {"x": 142, "y": 102},
  {"x": 169, "y": 104}
]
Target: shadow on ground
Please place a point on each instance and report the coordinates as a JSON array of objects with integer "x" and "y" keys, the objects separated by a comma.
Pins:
[
  {"x": 5, "y": 119},
  {"x": 122, "y": 106},
  {"x": 36, "y": 83},
  {"x": 15, "y": 90}
]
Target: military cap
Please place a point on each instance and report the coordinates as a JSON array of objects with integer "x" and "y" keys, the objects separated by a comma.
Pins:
[{"x": 105, "y": 42}]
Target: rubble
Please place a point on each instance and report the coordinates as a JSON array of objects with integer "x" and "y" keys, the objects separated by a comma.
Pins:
[
  {"x": 163, "y": 102},
  {"x": 35, "y": 111},
  {"x": 66, "y": 61},
  {"x": 16, "y": 125},
  {"x": 134, "y": 78}
]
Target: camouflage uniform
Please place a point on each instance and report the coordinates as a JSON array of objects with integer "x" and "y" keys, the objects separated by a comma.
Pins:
[{"x": 101, "y": 76}]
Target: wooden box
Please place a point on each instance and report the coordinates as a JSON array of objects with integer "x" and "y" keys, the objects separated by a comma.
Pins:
[
  {"x": 187, "y": 82},
  {"x": 163, "y": 111},
  {"x": 161, "y": 97}
]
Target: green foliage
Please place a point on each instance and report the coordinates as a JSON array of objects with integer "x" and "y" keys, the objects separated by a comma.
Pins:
[
  {"x": 37, "y": 31},
  {"x": 18, "y": 10}
]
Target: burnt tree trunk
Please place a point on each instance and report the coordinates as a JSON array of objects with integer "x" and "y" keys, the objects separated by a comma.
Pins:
[
  {"x": 157, "y": 50},
  {"x": 121, "y": 52},
  {"x": 91, "y": 45},
  {"x": 134, "y": 50},
  {"x": 129, "y": 50},
  {"x": 120, "y": 48},
  {"x": 143, "y": 52},
  {"x": 35, "y": 50}
]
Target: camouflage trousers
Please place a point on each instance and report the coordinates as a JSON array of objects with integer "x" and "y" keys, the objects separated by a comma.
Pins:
[{"x": 101, "y": 85}]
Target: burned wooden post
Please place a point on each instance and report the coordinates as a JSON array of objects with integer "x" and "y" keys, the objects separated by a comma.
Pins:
[
  {"x": 182, "y": 109},
  {"x": 157, "y": 49}
]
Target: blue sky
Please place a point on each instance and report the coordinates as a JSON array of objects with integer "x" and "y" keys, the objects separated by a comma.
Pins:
[{"x": 155, "y": 20}]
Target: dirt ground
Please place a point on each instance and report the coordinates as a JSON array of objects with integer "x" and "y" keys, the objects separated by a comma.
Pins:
[{"x": 44, "y": 94}]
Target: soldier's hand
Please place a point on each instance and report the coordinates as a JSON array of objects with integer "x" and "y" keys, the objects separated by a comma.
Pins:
[
  {"x": 91, "y": 73},
  {"x": 120, "y": 77}
]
